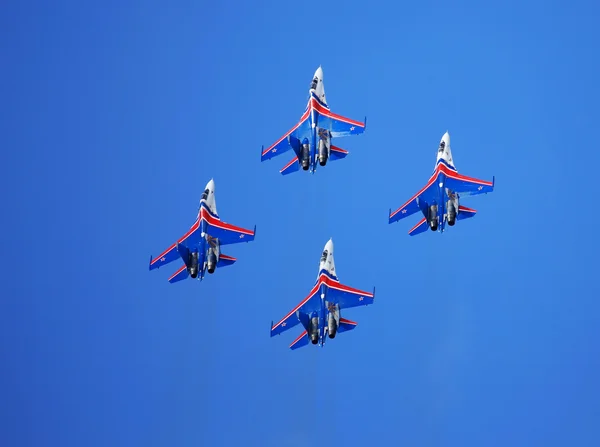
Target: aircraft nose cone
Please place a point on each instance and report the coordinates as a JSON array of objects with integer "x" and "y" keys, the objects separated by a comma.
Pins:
[
  {"x": 319, "y": 73},
  {"x": 210, "y": 185},
  {"x": 446, "y": 138},
  {"x": 329, "y": 246}
]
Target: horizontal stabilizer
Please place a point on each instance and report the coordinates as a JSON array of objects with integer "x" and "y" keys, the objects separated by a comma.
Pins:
[
  {"x": 337, "y": 153},
  {"x": 225, "y": 260},
  {"x": 292, "y": 166},
  {"x": 179, "y": 275},
  {"x": 346, "y": 325},
  {"x": 301, "y": 341},
  {"x": 465, "y": 213},
  {"x": 419, "y": 228}
]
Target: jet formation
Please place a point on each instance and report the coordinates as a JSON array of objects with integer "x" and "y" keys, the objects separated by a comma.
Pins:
[{"x": 439, "y": 203}]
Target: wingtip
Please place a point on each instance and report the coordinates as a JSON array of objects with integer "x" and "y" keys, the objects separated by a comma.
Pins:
[
  {"x": 262, "y": 149},
  {"x": 150, "y": 263},
  {"x": 373, "y": 292},
  {"x": 365, "y": 122}
]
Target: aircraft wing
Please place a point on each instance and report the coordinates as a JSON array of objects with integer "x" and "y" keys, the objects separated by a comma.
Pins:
[
  {"x": 347, "y": 296},
  {"x": 467, "y": 186},
  {"x": 230, "y": 234},
  {"x": 306, "y": 306},
  {"x": 341, "y": 126},
  {"x": 412, "y": 205},
  {"x": 338, "y": 125},
  {"x": 282, "y": 145},
  {"x": 171, "y": 254},
  {"x": 226, "y": 233}
]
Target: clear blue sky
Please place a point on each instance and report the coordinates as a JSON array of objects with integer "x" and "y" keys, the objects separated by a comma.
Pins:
[{"x": 115, "y": 115}]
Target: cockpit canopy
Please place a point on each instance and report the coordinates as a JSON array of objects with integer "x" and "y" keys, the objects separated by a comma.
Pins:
[
  {"x": 205, "y": 194},
  {"x": 442, "y": 146},
  {"x": 314, "y": 83},
  {"x": 324, "y": 256}
]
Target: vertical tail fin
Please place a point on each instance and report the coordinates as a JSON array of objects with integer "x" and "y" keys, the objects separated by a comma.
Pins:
[{"x": 184, "y": 252}]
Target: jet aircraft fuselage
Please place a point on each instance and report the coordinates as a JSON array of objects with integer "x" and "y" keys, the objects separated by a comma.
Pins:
[
  {"x": 200, "y": 247},
  {"x": 319, "y": 312},
  {"x": 439, "y": 199},
  {"x": 311, "y": 137}
]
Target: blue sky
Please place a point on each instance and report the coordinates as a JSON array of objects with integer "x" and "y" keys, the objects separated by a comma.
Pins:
[{"x": 116, "y": 114}]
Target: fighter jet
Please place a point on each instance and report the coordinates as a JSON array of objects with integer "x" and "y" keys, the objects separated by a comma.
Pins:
[
  {"x": 438, "y": 200},
  {"x": 311, "y": 137},
  {"x": 319, "y": 312},
  {"x": 200, "y": 247}
]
